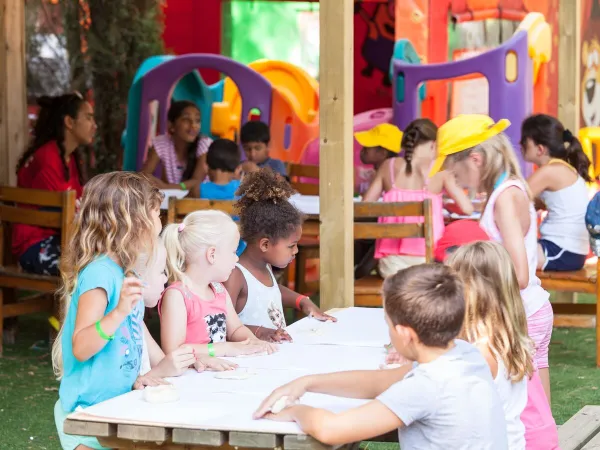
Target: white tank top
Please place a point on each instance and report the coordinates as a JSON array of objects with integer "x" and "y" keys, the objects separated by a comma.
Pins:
[
  {"x": 565, "y": 223},
  {"x": 263, "y": 304},
  {"x": 534, "y": 296},
  {"x": 514, "y": 400}
]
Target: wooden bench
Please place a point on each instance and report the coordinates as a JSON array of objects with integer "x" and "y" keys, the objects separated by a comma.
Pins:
[
  {"x": 367, "y": 290},
  {"x": 308, "y": 247},
  {"x": 12, "y": 210},
  {"x": 584, "y": 281},
  {"x": 582, "y": 431}
]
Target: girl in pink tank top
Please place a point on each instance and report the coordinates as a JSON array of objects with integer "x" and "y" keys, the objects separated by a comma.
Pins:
[
  {"x": 195, "y": 309},
  {"x": 406, "y": 180},
  {"x": 474, "y": 148}
]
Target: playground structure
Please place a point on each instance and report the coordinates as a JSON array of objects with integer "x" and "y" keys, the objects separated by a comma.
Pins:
[{"x": 287, "y": 98}]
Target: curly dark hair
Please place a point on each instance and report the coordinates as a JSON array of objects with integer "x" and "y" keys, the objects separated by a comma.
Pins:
[{"x": 264, "y": 209}]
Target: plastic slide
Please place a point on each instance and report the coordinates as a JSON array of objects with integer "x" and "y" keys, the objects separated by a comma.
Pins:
[
  {"x": 191, "y": 87},
  {"x": 295, "y": 108}
]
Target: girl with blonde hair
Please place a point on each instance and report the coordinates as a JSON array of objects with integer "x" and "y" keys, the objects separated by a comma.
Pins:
[
  {"x": 495, "y": 323},
  {"x": 195, "y": 309},
  {"x": 480, "y": 155},
  {"x": 98, "y": 349}
]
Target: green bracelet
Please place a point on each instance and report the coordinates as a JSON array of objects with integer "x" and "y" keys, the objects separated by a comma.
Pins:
[
  {"x": 102, "y": 334},
  {"x": 211, "y": 350},
  {"x": 183, "y": 186}
]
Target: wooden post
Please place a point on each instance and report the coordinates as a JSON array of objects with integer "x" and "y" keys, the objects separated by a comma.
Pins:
[
  {"x": 568, "y": 64},
  {"x": 336, "y": 153},
  {"x": 13, "y": 95}
]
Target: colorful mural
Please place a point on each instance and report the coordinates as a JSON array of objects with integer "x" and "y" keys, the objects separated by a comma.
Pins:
[{"x": 590, "y": 64}]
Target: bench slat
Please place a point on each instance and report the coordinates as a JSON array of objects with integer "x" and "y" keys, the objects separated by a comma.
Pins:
[
  {"x": 580, "y": 429},
  {"x": 594, "y": 444}
]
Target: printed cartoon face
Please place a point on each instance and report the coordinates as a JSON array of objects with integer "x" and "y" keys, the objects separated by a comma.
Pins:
[
  {"x": 276, "y": 316},
  {"x": 216, "y": 326},
  {"x": 590, "y": 88}
]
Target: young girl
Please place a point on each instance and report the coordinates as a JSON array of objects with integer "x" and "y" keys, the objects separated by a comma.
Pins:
[
  {"x": 196, "y": 309},
  {"x": 152, "y": 271},
  {"x": 560, "y": 185},
  {"x": 98, "y": 350},
  {"x": 52, "y": 162},
  {"x": 182, "y": 151},
  {"x": 495, "y": 323},
  {"x": 481, "y": 157},
  {"x": 407, "y": 179},
  {"x": 271, "y": 226}
]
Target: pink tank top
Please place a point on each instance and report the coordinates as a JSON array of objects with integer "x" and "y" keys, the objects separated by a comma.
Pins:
[
  {"x": 165, "y": 149},
  {"x": 409, "y": 246},
  {"x": 206, "y": 320},
  {"x": 534, "y": 295}
]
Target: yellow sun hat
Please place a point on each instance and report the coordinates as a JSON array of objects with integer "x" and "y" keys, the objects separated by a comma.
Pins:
[
  {"x": 383, "y": 135},
  {"x": 462, "y": 133}
]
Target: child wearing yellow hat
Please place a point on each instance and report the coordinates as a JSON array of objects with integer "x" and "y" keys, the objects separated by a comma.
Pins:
[
  {"x": 474, "y": 148},
  {"x": 405, "y": 179}
]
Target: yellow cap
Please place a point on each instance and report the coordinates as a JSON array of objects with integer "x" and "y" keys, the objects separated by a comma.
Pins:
[
  {"x": 462, "y": 133},
  {"x": 383, "y": 135}
]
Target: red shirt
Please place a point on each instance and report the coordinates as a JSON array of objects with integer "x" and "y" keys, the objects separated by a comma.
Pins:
[{"x": 44, "y": 170}]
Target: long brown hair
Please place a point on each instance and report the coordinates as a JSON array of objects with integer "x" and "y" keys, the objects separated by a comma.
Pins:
[
  {"x": 418, "y": 132},
  {"x": 114, "y": 219}
]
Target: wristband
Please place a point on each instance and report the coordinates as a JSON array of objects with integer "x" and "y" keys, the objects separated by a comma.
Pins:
[
  {"x": 299, "y": 300},
  {"x": 183, "y": 186},
  {"x": 211, "y": 350},
  {"x": 102, "y": 334}
]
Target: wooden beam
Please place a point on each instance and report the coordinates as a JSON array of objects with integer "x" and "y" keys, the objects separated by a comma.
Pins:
[
  {"x": 13, "y": 99},
  {"x": 568, "y": 64},
  {"x": 336, "y": 175}
]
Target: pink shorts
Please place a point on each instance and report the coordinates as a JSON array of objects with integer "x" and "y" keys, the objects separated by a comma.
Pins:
[{"x": 540, "y": 330}]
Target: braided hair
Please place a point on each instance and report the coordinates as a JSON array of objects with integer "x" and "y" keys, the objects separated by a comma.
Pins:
[
  {"x": 264, "y": 209},
  {"x": 50, "y": 126},
  {"x": 417, "y": 132},
  {"x": 175, "y": 112}
]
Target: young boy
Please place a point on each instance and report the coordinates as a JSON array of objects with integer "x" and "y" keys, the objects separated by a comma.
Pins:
[
  {"x": 255, "y": 137},
  {"x": 445, "y": 400},
  {"x": 223, "y": 160}
]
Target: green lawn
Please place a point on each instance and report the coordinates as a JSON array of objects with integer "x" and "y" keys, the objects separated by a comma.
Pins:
[{"x": 28, "y": 390}]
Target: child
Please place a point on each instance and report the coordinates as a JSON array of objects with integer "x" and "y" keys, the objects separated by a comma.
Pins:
[
  {"x": 271, "y": 227},
  {"x": 152, "y": 272},
  {"x": 379, "y": 144},
  {"x": 481, "y": 157},
  {"x": 255, "y": 137},
  {"x": 560, "y": 184},
  {"x": 407, "y": 179},
  {"x": 457, "y": 234},
  {"x": 495, "y": 323},
  {"x": 446, "y": 400},
  {"x": 196, "y": 309},
  {"x": 223, "y": 159},
  {"x": 182, "y": 151},
  {"x": 98, "y": 349}
]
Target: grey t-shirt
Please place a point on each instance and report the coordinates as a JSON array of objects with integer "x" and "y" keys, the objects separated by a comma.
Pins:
[
  {"x": 275, "y": 165},
  {"x": 450, "y": 403}
]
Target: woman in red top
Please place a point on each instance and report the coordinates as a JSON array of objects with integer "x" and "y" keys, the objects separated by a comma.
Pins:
[{"x": 52, "y": 163}]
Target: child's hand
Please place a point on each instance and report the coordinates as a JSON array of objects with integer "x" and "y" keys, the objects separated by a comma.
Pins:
[
  {"x": 393, "y": 357},
  {"x": 312, "y": 310},
  {"x": 247, "y": 347},
  {"x": 268, "y": 347},
  {"x": 131, "y": 294},
  {"x": 178, "y": 361},
  {"x": 249, "y": 166},
  {"x": 145, "y": 380},
  {"x": 272, "y": 335},
  {"x": 293, "y": 391},
  {"x": 209, "y": 363}
]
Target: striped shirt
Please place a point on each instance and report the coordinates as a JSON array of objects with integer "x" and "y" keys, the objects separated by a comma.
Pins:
[{"x": 165, "y": 149}]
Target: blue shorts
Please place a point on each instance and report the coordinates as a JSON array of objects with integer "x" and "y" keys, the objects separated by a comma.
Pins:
[
  {"x": 559, "y": 259},
  {"x": 69, "y": 441}
]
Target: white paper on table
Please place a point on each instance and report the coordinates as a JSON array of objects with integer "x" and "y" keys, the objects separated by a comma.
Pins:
[
  {"x": 308, "y": 204},
  {"x": 177, "y": 193},
  {"x": 356, "y": 327}
]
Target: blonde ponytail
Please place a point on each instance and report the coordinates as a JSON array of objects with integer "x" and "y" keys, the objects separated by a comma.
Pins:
[{"x": 199, "y": 229}]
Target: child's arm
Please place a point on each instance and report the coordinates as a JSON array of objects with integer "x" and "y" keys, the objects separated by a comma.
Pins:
[
  {"x": 171, "y": 365},
  {"x": 291, "y": 299},
  {"x": 149, "y": 167},
  {"x": 193, "y": 184},
  {"x": 376, "y": 188},
  {"x": 456, "y": 193},
  {"x": 173, "y": 320},
  {"x": 540, "y": 180},
  {"x": 87, "y": 339},
  {"x": 507, "y": 220}
]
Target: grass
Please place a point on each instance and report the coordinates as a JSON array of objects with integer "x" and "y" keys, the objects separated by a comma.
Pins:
[{"x": 28, "y": 389}]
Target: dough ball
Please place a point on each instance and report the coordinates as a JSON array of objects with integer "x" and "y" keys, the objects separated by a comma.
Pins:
[
  {"x": 165, "y": 393},
  {"x": 392, "y": 366},
  {"x": 280, "y": 405}
]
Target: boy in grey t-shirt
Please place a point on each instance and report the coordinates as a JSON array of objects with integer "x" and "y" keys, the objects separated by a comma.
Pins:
[{"x": 445, "y": 400}]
